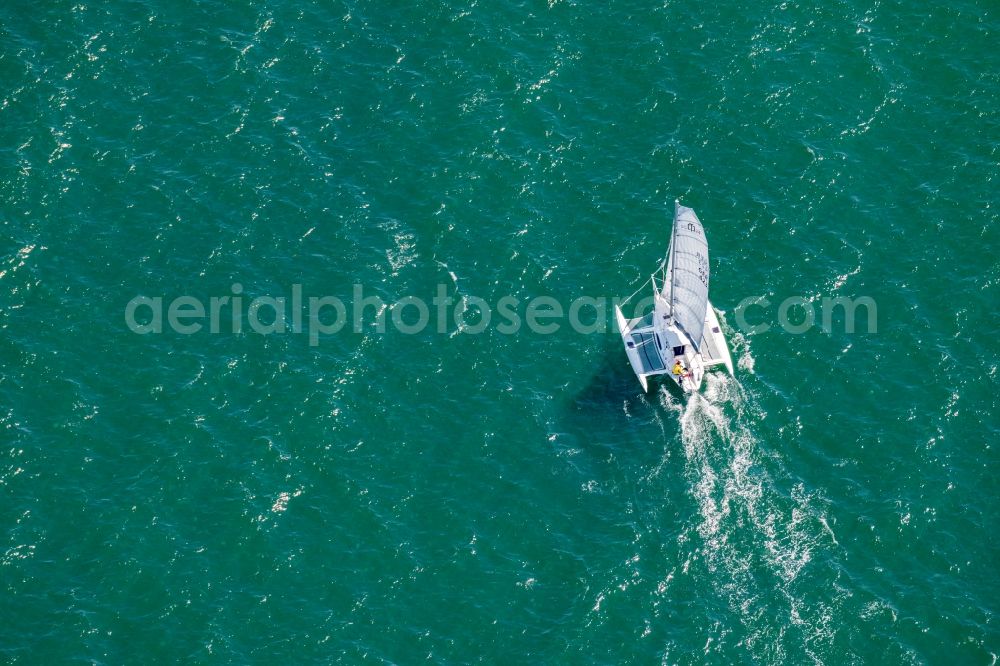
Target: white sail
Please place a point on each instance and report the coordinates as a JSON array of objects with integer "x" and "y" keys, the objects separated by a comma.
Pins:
[{"x": 686, "y": 284}]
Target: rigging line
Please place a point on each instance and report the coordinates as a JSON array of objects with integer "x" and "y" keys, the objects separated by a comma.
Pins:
[{"x": 642, "y": 286}]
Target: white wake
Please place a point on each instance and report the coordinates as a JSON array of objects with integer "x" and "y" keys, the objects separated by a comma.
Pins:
[{"x": 754, "y": 539}]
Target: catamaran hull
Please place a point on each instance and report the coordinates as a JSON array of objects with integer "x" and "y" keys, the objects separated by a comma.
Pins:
[
  {"x": 681, "y": 336},
  {"x": 715, "y": 351},
  {"x": 631, "y": 351},
  {"x": 649, "y": 359}
]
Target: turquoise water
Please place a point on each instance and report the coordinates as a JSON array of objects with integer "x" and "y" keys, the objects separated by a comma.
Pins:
[{"x": 452, "y": 497}]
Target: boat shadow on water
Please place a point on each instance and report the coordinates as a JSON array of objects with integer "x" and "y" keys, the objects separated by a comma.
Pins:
[
  {"x": 610, "y": 418},
  {"x": 613, "y": 383},
  {"x": 614, "y": 399}
]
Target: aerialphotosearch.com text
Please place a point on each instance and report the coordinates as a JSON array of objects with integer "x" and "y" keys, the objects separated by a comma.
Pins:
[{"x": 319, "y": 316}]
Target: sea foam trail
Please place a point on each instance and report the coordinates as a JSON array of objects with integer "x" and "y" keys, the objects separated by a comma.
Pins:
[{"x": 756, "y": 541}]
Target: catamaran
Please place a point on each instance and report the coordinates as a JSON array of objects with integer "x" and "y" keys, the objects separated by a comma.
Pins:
[{"x": 680, "y": 336}]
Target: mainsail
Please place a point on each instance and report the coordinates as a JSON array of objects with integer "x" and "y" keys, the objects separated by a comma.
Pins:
[{"x": 687, "y": 274}]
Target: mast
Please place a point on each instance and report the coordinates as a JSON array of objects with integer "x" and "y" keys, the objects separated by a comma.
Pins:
[{"x": 673, "y": 252}]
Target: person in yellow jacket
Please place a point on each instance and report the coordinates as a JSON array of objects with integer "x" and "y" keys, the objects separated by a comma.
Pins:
[{"x": 678, "y": 369}]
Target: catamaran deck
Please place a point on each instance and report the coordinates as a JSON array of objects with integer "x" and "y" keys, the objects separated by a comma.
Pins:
[{"x": 649, "y": 355}]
